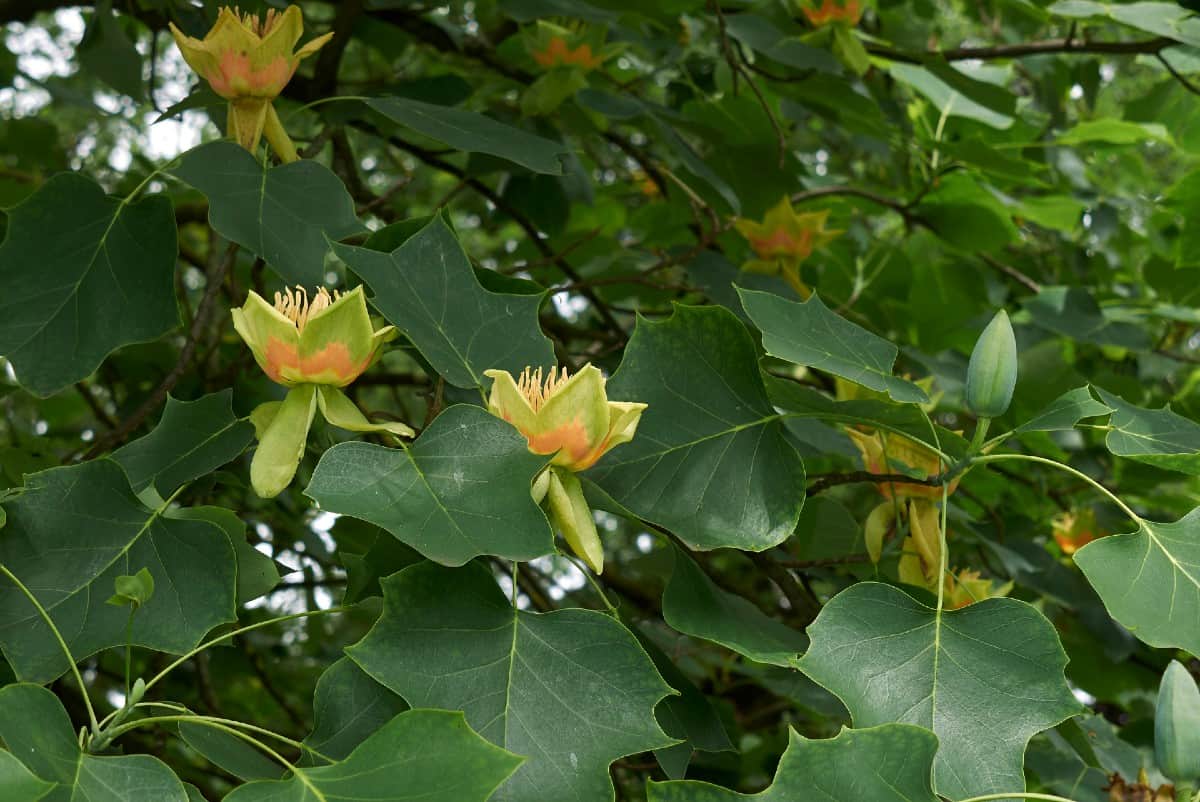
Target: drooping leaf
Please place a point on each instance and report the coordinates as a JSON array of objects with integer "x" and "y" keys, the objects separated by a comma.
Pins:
[
  {"x": 192, "y": 439},
  {"x": 948, "y": 100},
  {"x": 572, "y": 690},
  {"x": 1064, "y": 412},
  {"x": 106, "y": 52},
  {"x": 694, "y": 605},
  {"x": 111, "y": 264},
  {"x": 257, "y": 573},
  {"x": 229, "y": 752},
  {"x": 690, "y": 716},
  {"x": 283, "y": 214},
  {"x": 1149, "y": 579},
  {"x": 36, "y": 729},
  {"x": 474, "y": 133},
  {"x": 69, "y": 535},
  {"x": 710, "y": 460},
  {"x": 889, "y": 763},
  {"x": 420, "y": 755},
  {"x": 985, "y": 678},
  {"x": 1156, "y": 437},
  {"x": 809, "y": 334},
  {"x": 1072, "y": 311},
  {"x": 1161, "y": 19},
  {"x": 426, "y": 288},
  {"x": 348, "y": 706},
  {"x": 461, "y": 490}
]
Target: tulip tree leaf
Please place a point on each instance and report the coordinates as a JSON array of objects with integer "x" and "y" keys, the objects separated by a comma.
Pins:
[
  {"x": 809, "y": 334},
  {"x": 461, "y": 490},
  {"x": 710, "y": 460},
  {"x": 1149, "y": 580},
  {"x": 572, "y": 690},
  {"x": 348, "y": 706},
  {"x": 193, "y": 439},
  {"x": 889, "y": 763},
  {"x": 284, "y": 214},
  {"x": 694, "y": 605},
  {"x": 69, "y": 535},
  {"x": 474, "y": 133},
  {"x": 426, "y": 287},
  {"x": 229, "y": 752},
  {"x": 1065, "y": 411},
  {"x": 1156, "y": 437},
  {"x": 425, "y": 755},
  {"x": 35, "y": 727},
  {"x": 985, "y": 678},
  {"x": 102, "y": 280},
  {"x": 18, "y": 783}
]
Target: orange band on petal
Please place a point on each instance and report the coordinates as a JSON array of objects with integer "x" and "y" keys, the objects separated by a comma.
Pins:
[
  {"x": 277, "y": 356},
  {"x": 570, "y": 438},
  {"x": 334, "y": 360}
]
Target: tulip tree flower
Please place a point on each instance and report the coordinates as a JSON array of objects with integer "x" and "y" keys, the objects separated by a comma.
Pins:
[
  {"x": 783, "y": 240},
  {"x": 564, "y": 56},
  {"x": 248, "y": 60},
  {"x": 967, "y": 587},
  {"x": 830, "y": 12},
  {"x": 571, "y": 418},
  {"x": 1074, "y": 529},
  {"x": 312, "y": 348}
]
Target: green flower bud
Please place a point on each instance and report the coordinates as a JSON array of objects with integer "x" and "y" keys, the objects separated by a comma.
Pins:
[
  {"x": 1177, "y": 726},
  {"x": 992, "y": 372}
]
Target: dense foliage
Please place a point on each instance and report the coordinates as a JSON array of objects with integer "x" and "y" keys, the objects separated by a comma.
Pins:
[{"x": 545, "y": 400}]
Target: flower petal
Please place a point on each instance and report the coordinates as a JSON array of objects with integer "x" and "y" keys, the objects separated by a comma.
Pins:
[
  {"x": 272, "y": 338},
  {"x": 338, "y": 343},
  {"x": 574, "y": 421},
  {"x": 507, "y": 402},
  {"x": 282, "y": 445}
]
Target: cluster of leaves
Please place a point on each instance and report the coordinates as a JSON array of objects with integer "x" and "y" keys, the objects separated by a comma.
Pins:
[{"x": 537, "y": 182}]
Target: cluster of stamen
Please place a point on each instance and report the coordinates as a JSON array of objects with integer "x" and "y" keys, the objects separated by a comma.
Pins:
[
  {"x": 295, "y": 306},
  {"x": 536, "y": 390},
  {"x": 261, "y": 26}
]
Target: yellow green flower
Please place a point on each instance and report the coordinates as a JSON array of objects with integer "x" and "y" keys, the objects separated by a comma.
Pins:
[
  {"x": 968, "y": 587},
  {"x": 248, "y": 60},
  {"x": 784, "y": 239},
  {"x": 569, "y": 417},
  {"x": 887, "y": 452},
  {"x": 328, "y": 340},
  {"x": 313, "y": 348}
]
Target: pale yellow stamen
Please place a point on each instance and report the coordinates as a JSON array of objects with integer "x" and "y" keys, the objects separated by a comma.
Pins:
[
  {"x": 260, "y": 26},
  {"x": 295, "y": 306},
  {"x": 536, "y": 391}
]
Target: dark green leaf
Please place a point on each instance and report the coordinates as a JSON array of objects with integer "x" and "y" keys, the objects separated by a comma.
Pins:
[
  {"x": 257, "y": 573},
  {"x": 890, "y": 763},
  {"x": 461, "y": 490},
  {"x": 572, "y": 690},
  {"x": 985, "y": 678},
  {"x": 192, "y": 439},
  {"x": 230, "y": 752},
  {"x": 1074, "y": 312},
  {"x": 695, "y": 606},
  {"x": 112, "y": 264},
  {"x": 69, "y": 535},
  {"x": 106, "y": 52},
  {"x": 710, "y": 460},
  {"x": 19, "y": 784},
  {"x": 283, "y": 214},
  {"x": 36, "y": 729},
  {"x": 427, "y": 289},
  {"x": 809, "y": 334},
  {"x": 348, "y": 706},
  {"x": 474, "y": 133},
  {"x": 425, "y": 755}
]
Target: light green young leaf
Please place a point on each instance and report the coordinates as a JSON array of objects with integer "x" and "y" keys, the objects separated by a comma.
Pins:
[
  {"x": 890, "y": 763},
  {"x": 710, "y": 460},
  {"x": 112, "y": 264},
  {"x": 1064, "y": 412},
  {"x": 985, "y": 678},
  {"x": 1149, "y": 580},
  {"x": 284, "y": 214},
  {"x": 572, "y": 690},
  {"x": 809, "y": 334},
  {"x": 19, "y": 784},
  {"x": 461, "y": 490},
  {"x": 1156, "y": 437},
  {"x": 427, "y": 289},
  {"x": 133, "y": 590}
]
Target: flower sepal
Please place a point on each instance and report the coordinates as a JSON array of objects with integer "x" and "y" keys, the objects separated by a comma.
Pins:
[{"x": 572, "y": 516}]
